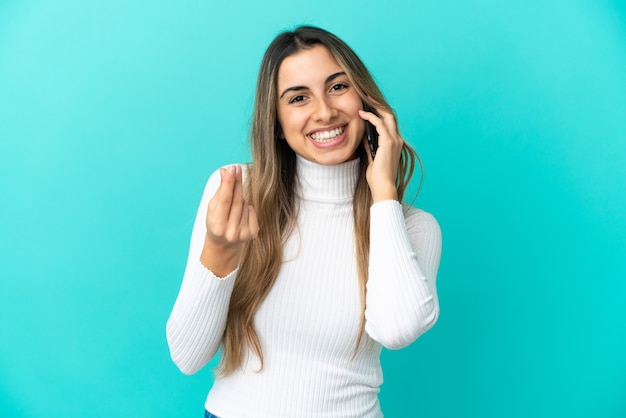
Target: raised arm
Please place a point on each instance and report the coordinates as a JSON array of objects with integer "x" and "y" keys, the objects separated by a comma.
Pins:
[
  {"x": 223, "y": 223},
  {"x": 405, "y": 249}
]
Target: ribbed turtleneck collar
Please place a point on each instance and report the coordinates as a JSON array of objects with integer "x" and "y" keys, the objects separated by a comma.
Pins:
[{"x": 326, "y": 183}]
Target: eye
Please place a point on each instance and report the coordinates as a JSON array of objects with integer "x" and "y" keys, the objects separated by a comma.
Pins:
[
  {"x": 339, "y": 87},
  {"x": 297, "y": 99}
]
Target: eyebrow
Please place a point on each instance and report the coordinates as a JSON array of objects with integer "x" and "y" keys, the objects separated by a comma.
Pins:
[{"x": 298, "y": 88}]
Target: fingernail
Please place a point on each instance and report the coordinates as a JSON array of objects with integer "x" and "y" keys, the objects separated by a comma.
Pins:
[{"x": 232, "y": 169}]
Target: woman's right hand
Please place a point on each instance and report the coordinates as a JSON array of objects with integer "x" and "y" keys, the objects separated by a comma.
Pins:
[{"x": 230, "y": 222}]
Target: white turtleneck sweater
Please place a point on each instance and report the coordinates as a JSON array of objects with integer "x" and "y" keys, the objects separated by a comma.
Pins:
[{"x": 309, "y": 322}]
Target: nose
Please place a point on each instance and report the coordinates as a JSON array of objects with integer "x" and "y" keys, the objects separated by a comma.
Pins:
[{"x": 325, "y": 111}]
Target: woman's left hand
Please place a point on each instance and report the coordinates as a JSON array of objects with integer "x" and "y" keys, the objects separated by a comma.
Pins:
[{"x": 382, "y": 171}]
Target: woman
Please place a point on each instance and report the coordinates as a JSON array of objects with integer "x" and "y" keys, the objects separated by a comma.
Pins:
[{"x": 303, "y": 264}]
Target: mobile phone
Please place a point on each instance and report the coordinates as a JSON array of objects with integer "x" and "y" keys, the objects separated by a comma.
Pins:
[{"x": 370, "y": 131}]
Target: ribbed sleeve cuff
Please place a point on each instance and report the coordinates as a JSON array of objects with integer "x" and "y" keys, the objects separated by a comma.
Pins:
[{"x": 201, "y": 286}]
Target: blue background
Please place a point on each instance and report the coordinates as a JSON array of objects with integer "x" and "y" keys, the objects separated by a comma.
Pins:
[{"x": 113, "y": 114}]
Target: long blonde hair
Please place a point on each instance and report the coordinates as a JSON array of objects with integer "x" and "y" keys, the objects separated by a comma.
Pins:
[{"x": 270, "y": 188}]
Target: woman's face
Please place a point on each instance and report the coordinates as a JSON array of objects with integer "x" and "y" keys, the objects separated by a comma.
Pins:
[{"x": 318, "y": 107}]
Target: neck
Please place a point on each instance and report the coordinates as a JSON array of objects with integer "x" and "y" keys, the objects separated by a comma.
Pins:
[{"x": 326, "y": 183}]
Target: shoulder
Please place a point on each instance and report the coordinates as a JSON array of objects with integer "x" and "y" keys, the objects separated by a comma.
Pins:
[{"x": 419, "y": 219}]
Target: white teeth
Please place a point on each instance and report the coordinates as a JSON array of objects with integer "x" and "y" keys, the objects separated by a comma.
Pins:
[{"x": 327, "y": 136}]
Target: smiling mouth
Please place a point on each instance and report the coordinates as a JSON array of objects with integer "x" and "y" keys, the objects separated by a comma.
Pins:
[{"x": 324, "y": 137}]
